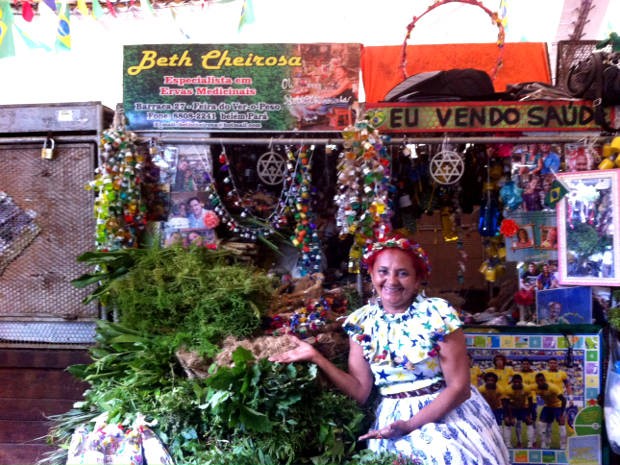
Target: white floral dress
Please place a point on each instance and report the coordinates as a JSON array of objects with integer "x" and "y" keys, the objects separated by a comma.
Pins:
[{"x": 403, "y": 354}]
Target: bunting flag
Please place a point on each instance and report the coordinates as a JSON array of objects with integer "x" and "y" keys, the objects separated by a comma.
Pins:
[
  {"x": 97, "y": 9},
  {"x": 63, "y": 31},
  {"x": 51, "y": 4},
  {"x": 83, "y": 8},
  {"x": 27, "y": 11},
  {"x": 110, "y": 7},
  {"x": 7, "y": 46},
  {"x": 557, "y": 190},
  {"x": 30, "y": 41},
  {"x": 247, "y": 14},
  {"x": 146, "y": 6}
]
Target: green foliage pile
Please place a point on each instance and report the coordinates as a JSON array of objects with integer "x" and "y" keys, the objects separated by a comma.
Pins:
[
  {"x": 194, "y": 293},
  {"x": 255, "y": 412}
]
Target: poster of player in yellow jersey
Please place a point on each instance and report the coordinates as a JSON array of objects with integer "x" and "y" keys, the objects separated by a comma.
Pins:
[{"x": 544, "y": 380}]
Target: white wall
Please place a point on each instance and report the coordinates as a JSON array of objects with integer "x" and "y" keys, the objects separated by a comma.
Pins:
[{"x": 92, "y": 70}]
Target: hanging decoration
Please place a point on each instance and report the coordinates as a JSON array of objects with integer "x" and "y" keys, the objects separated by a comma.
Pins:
[
  {"x": 508, "y": 227},
  {"x": 271, "y": 168},
  {"x": 364, "y": 206},
  {"x": 446, "y": 166},
  {"x": 611, "y": 157},
  {"x": 306, "y": 236},
  {"x": 490, "y": 213},
  {"x": 250, "y": 226},
  {"x": 119, "y": 211},
  {"x": 60, "y": 14},
  {"x": 461, "y": 262},
  {"x": 511, "y": 195},
  {"x": 27, "y": 11},
  {"x": 493, "y": 266},
  {"x": 7, "y": 47},
  {"x": 499, "y": 22}
]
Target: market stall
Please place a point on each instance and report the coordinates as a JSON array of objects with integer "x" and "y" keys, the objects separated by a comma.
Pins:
[
  {"x": 455, "y": 173},
  {"x": 235, "y": 193}
]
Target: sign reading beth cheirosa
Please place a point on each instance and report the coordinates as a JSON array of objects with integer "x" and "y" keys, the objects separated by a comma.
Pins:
[{"x": 216, "y": 87}]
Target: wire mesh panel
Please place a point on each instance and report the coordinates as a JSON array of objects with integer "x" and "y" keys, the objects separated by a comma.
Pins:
[
  {"x": 46, "y": 222},
  {"x": 571, "y": 52}
]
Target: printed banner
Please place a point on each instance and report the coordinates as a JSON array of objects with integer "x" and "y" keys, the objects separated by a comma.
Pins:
[
  {"x": 483, "y": 116},
  {"x": 528, "y": 377},
  {"x": 217, "y": 87}
]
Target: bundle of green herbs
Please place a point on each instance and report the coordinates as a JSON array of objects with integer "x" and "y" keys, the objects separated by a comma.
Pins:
[
  {"x": 195, "y": 293},
  {"x": 255, "y": 412}
]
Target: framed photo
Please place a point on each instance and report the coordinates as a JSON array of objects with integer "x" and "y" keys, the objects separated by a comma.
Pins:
[
  {"x": 524, "y": 239},
  {"x": 587, "y": 217},
  {"x": 580, "y": 156},
  {"x": 571, "y": 362},
  {"x": 192, "y": 220},
  {"x": 564, "y": 305},
  {"x": 548, "y": 237},
  {"x": 537, "y": 219}
]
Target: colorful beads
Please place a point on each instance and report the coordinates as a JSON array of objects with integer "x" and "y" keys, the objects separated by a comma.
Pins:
[
  {"x": 118, "y": 206},
  {"x": 364, "y": 207}
]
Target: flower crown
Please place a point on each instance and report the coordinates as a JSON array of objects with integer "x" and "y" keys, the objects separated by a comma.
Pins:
[{"x": 401, "y": 243}]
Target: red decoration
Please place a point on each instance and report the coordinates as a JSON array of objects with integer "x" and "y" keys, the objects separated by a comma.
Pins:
[
  {"x": 27, "y": 12},
  {"x": 211, "y": 220},
  {"x": 508, "y": 228}
]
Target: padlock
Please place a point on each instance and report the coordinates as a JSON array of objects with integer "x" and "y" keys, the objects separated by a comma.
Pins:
[{"x": 47, "y": 152}]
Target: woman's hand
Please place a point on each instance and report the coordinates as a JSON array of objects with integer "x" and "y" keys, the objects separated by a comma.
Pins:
[
  {"x": 304, "y": 352},
  {"x": 392, "y": 431}
]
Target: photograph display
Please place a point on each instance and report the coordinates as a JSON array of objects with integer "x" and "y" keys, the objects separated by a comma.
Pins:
[{"x": 543, "y": 389}]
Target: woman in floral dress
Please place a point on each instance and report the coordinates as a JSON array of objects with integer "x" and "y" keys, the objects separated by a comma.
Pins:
[{"x": 412, "y": 348}]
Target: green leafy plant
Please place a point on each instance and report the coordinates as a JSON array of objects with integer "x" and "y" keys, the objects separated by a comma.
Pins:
[
  {"x": 255, "y": 412},
  {"x": 197, "y": 294},
  {"x": 613, "y": 314},
  {"x": 276, "y": 405}
]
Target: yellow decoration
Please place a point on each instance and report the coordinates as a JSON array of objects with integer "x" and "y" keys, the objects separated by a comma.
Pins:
[
  {"x": 501, "y": 252},
  {"x": 606, "y": 164},
  {"x": 611, "y": 159}
]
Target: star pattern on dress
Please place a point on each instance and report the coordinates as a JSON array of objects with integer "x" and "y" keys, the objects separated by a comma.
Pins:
[
  {"x": 447, "y": 167},
  {"x": 271, "y": 167}
]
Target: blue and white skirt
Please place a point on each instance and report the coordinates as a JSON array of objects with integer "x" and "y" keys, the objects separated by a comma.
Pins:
[{"x": 468, "y": 435}]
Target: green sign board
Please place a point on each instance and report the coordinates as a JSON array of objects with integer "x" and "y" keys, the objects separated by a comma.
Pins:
[
  {"x": 237, "y": 87},
  {"x": 483, "y": 116}
]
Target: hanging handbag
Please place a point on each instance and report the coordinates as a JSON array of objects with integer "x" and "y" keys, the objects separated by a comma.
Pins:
[{"x": 597, "y": 78}]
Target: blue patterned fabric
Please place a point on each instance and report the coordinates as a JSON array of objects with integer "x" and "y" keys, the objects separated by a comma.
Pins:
[{"x": 403, "y": 356}]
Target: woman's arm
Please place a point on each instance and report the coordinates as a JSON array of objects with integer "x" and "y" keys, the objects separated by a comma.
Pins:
[
  {"x": 455, "y": 368},
  {"x": 357, "y": 384}
]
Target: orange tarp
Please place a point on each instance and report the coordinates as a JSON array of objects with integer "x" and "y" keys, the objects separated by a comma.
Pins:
[{"x": 522, "y": 62}]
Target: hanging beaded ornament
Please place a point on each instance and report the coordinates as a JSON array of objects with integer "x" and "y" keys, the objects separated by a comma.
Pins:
[
  {"x": 254, "y": 227},
  {"x": 119, "y": 212},
  {"x": 306, "y": 236},
  {"x": 363, "y": 187}
]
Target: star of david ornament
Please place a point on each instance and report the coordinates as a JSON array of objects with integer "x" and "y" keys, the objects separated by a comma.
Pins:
[
  {"x": 447, "y": 167},
  {"x": 271, "y": 168}
]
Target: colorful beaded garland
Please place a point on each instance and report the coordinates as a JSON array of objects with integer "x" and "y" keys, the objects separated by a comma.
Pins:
[
  {"x": 364, "y": 206},
  {"x": 119, "y": 211}
]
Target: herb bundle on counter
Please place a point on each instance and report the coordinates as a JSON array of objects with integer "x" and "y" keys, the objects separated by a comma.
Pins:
[{"x": 253, "y": 412}]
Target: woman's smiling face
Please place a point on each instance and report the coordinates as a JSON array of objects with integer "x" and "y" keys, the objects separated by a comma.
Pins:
[{"x": 394, "y": 279}]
